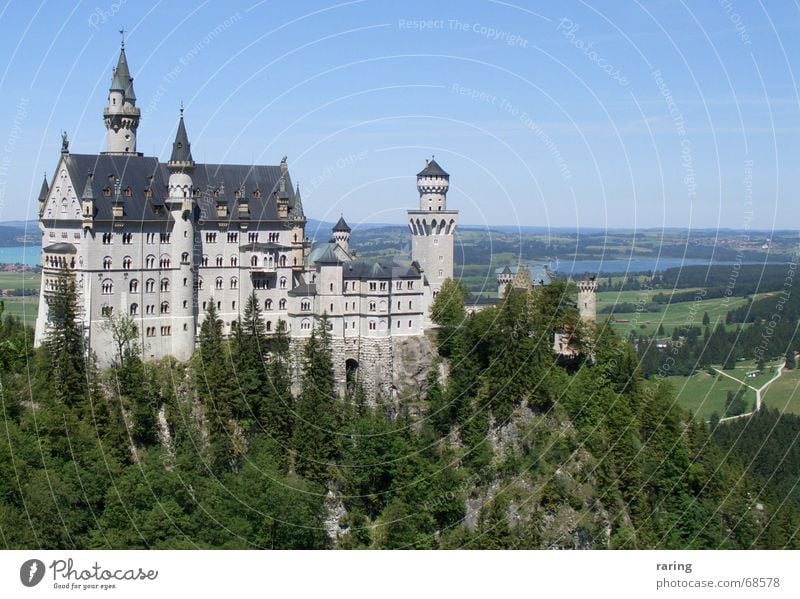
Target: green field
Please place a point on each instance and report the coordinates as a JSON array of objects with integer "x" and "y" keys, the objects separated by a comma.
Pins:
[
  {"x": 23, "y": 308},
  {"x": 680, "y": 314},
  {"x": 784, "y": 393},
  {"x": 704, "y": 395},
  {"x": 18, "y": 306}
]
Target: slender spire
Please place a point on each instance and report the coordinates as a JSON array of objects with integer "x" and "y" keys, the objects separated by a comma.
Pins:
[
  {"x": 88, "y": 191},
  {"x": 45, "y": 190},
  {"x": 181, "y": 148},
  {"x": 122, "y": 80}
]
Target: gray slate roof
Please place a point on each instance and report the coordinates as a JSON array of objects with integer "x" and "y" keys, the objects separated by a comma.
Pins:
[
  {"x": 61, "y": 248},
  {"x": 141, "y": 172},
  {"x": 432, "y": 169},
  {"x": 341, "y": 225},
  {"x": 383, "y": 268}
]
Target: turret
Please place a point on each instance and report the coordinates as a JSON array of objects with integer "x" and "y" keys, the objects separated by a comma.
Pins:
[
  {"x": 121, "y": 116},
  {"x": 587, "y": 299},
  {"x": 180, "y": 202},
  {"x": 341, "y": 234},
  {"x": 180, "y": 166},
  {"x": 432, "y": 184},
  {"x": 87, "y": 203},
  {"x": 43, "y": 193}
]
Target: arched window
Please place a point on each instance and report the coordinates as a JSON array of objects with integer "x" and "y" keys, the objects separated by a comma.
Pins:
[
  {"x": 134, "y": 309},
  {"x": 150, "y": 285},
  {"x": 107, "y": 286},
  {"x": 164, "y": 284},
  {"x": 133, "y": 287},
  {"x": 268, "y": 304},
  {"x": 282, "y": 304},
  {"x": 269, "y": 326},
  {"x": 107, "y": 263},
  {"x": 305, "y": 324},
  {"x": 164, "y": 261},
  {"x": 254, "y": 261},
  {"x": 234, "y": 283},
  {"x": 283, "y": 282},
  {"x": 165, "y": 307},
  {"x": 372, "y": 306},
  {"x": 218, "y": 283},
  {"x": 220, "y": 260},
  {"x": 150, "y": 261},
  {"x": 283, "y": 260},
  {"x": 234, "y": 260},
  {"x": 126, "y": 263},
  {"x": 204, "y": 261},
  {"x": 305, "y": 305},
  {"x": 185, "y": 257}
]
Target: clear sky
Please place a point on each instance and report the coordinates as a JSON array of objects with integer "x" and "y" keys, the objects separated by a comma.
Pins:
[{"x": 564, "y": 114}]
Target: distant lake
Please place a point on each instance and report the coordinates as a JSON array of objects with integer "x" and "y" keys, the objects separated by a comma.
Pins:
[
  {"x": 22, "y": 254},
  {"x": 29, "y": 254},
  {"x": 634, "y": 264}
]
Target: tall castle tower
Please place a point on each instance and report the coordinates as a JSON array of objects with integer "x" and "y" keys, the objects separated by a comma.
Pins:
[
  {"x": 121, "y": 116},
  {"x": 587, "y": 299},
  {"x": 180, "y": 203},
  {"x": 433, "y": 226}
]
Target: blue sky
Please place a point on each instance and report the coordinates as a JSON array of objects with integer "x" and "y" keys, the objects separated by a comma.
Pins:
[{"x": 602, "y": 114}]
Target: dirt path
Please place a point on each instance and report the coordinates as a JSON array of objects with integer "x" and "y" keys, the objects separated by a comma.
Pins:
[{"x": 759, "y": 390}]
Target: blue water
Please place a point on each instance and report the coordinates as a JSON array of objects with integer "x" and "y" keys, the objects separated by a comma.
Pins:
[
  {"x": 580, "y": 267},
  {"x": 30, "y": 255},
  {"x": 21, "y": 254}
]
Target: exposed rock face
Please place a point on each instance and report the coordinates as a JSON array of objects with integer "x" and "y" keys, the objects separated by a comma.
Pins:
[
  {"x": 384, "y": 367},
  {"x": 413, "y": 357},
  {"x": 335, "y": 513}
]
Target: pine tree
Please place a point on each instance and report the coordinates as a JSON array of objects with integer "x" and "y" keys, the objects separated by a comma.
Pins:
[
  {"x": 447, "y": 311},
  {"x": 249, "y": 353},
  {"x": 216, "y": 387},
  {"x": 277, "y": 415},
  {"x": 65, "y": 342},
  {"x": 314, "y": 437}
]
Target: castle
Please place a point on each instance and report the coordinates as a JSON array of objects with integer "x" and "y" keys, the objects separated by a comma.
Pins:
[{"x": 159, "y": 242}]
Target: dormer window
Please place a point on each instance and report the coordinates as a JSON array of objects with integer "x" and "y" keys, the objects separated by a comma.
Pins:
[
  {"x": 128, "y": 192},
  {"x": 257, "y": 194},
  {"x": 148, "y": 193},
  {"x": 107, "y": 192}
]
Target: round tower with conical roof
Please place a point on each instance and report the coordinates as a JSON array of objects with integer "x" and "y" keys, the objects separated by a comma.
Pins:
[
  {"x": 341, "y": 234},
  {"x": 121, "y": 115},
  {"x": 433, "y": 226},
  {"x": 180, "y": 203}
]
